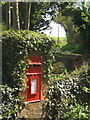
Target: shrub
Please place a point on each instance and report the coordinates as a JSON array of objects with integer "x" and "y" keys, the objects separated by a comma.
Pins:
[
  {"x": 65, "y": 98},
  {"x": 10, "y": 102},
  {"x": 16, "y": 47}
]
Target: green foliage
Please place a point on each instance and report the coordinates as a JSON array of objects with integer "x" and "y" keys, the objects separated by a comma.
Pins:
[
  {"x": 10, "y": 102},
  {"x": 3, "y": 27},
  {"x": 82, "y": 22},
  {"x": 66, "y": 60},
  {"x": 77, "y": 111},
  {"x": 66, "y": 99},
  {"x": 16, "y": 47},
  {"x": 87, "y": 89},
  {"x": 75, "y": 17},
  {"x": 58, "y": 67},
  {"x": 2, "y": 3},
  {"x": 69, "y": 47},
  {"x": 61, "y": 41},
  {"x": 38, "y": 14},
  {"x": 75, "y": 48}
]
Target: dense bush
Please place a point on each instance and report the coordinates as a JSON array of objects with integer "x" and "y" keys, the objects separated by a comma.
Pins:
[
  {"x": 61, "y": 92},
  {"x": 11, "y": 104},
  {"x": 66, "y": 99},
  {"x": 16, "y": 47},
  {"x": 73, "y": 48}
]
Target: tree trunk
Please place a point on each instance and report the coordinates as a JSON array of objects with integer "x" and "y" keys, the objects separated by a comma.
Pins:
[
  {"x": 27, "y": 18},
  {"x": 8, "y": 16},
  {"x": 16, "y": 22}
]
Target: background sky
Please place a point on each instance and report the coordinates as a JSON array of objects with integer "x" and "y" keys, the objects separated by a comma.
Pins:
[{"x": 56, "y": 31}]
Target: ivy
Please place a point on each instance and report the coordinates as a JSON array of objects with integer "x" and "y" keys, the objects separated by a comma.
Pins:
[
  {"x": 16, "y": 46},
  {"x": 10, "y": 102}
]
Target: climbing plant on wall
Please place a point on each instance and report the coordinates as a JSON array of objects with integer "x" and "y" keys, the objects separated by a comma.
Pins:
[{"x": 16, "y": 46}]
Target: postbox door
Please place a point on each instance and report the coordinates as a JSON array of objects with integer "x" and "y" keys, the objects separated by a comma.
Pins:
[
  {"x": 33, "y": 82},
  {"x": 33, "y": 92}
]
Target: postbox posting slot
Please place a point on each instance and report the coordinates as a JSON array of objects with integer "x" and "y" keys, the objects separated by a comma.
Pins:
[
  {"x": 34, "y": 63},
  {"x": 33, "y": 74}
]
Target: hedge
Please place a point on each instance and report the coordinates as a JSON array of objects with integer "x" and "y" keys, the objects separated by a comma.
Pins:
[
  {"x": 66, "y": 98},
  {"x": 16, "y": 46}
]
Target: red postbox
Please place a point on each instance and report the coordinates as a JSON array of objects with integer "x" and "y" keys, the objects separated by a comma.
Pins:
[{"x": 33, "y": 80}]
